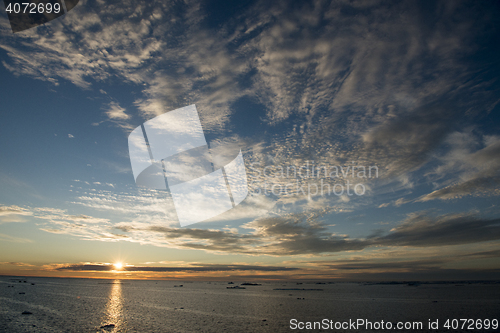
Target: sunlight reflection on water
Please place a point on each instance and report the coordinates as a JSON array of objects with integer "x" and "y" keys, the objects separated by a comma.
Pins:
[{"x": 114, "y": 307}]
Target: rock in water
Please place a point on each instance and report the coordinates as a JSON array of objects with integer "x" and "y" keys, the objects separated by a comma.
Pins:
[
  {"x": 26, "y": 313},
  {"x": 108, "y": 326}
]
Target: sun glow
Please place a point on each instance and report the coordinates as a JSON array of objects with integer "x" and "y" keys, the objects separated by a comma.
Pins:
[{"x": 118, "y": 265}]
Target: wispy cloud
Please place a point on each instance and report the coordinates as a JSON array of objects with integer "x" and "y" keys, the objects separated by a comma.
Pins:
[
  {"x": 116, "y": 112},
  {"x": 117, "y": 115},
  {"x": 14, "y": 239},
  {"x": 294, "y": 234},
  {"x": 420, "y": 229},
  {"x": 473, "y": 162},
  {"x": 9, "y": 214},
  {"x": 189, "y": 268},
  {"x": 383, "y": 87},
  {"x": 16, "y": 210}
]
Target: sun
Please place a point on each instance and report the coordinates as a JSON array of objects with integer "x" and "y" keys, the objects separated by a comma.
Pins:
[{"x": 118, "y": 265}]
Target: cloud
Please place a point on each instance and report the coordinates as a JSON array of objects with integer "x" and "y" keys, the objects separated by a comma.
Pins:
[
  {"x": 477, "y": 186},
  {"x": 116, "y": 114},
  {"x": 14, "y": 239},
  {"x": 16, "y": 210},
  {"x": 300, "y": 233},
  {"x": 380, "y": 265},
  {"x": 10, "y": 214},
  {"x": 141, "y": 205},
  {"x": 430, "y": 269},
  {"x": 58, "y": 221},
  {"x": 191, "y": 268},
  {"x": 71, "y": 136},
  {"x": 406, "y": 141},
  {"x": 308, "y": 232},
  {"x": 353, "y": 83},
  {"x": 303, "y": 233},
  {"x": 101, "y": 49},
  {"x": 202, "y": 239},
  {"x": 397, "y": 203},
  {"x": 156, "y": 207},
  {"x": 20, "y": 264},
  {"x": 477, "y": 170},
  {"x": 294, "y": 60},
  {"x": 420, "y": 229},
  {"x": 484, "y": 254}
]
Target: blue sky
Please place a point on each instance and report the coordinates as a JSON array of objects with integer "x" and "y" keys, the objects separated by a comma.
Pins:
[{"x": 408, "y": 87}]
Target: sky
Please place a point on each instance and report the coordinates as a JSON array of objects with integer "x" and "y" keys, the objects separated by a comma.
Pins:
[{"x": 370, "y": 133}]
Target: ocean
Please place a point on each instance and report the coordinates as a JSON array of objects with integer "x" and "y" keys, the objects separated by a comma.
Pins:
[{"x": 90, "y": 305}]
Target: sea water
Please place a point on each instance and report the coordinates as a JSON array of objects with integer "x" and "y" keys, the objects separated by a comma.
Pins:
[{"x": 90, "y": 305}]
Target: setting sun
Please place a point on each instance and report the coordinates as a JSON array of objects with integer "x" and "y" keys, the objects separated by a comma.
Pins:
[{"x": 118, "y": 265}]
